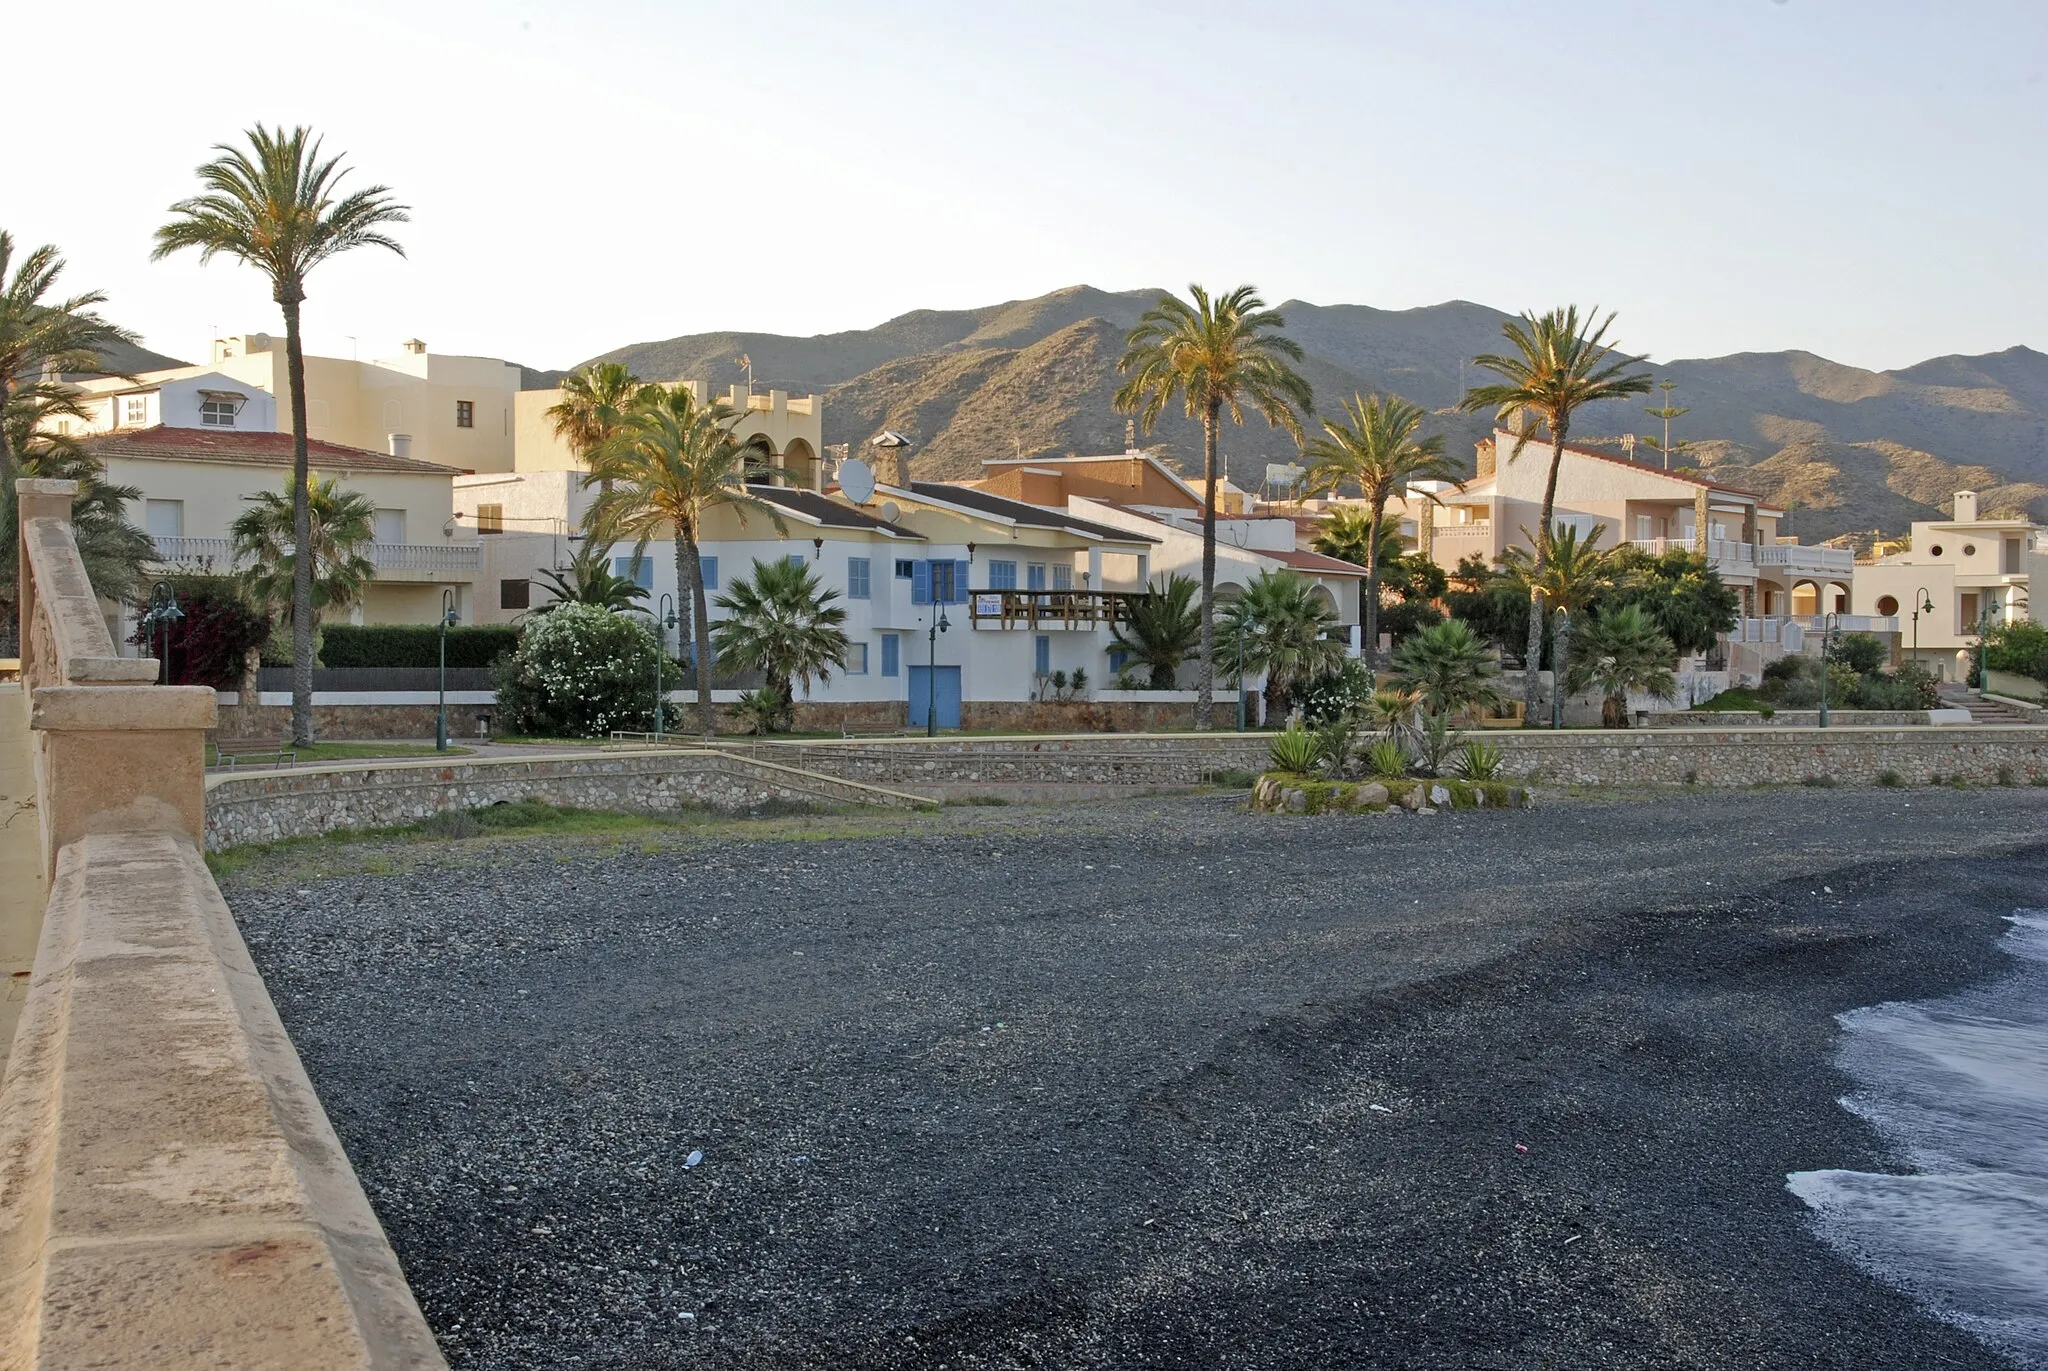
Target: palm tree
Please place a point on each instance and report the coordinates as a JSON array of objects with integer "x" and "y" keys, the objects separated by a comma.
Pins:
[
  {"x": 1163, "y": 629},
  {"x": 594, "y": 405},
  {"x": 39, "y": 333},
  {"x": 1219, "y": 357},
  {"x": 274, "y": 206},
  {"x": 782, "y": 623},
  {"x": 113, "y": 550},
  {"x": 674, "y": 460},
  {"x": 1375, "y": 449},
  {"x": 590, "y": 580},
  {"x": 1281, "y": 624},
  {"x": 339, "y": 524},
  {"x": 1350, "y": 534},
  {"x": 1558, "y": 366},
  {"x": 1623, "y": 651},
  {"x": 1446, "y": 668},
  {"x": 1576, "y": 573}
]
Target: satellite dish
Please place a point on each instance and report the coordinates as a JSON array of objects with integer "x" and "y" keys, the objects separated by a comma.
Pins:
[
  {"x": 857, "y": 480},
  {"x": 890, "y": 514}
]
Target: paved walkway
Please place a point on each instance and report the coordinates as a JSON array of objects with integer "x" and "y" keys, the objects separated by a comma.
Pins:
[{"x": 22, "y": 887}]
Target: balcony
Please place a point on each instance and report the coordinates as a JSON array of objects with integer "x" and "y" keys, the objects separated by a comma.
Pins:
[
  {"x": 393, "y": 561},
  {"x": 1072, "y": 609},
  {"x": 1799, "y": 559}
]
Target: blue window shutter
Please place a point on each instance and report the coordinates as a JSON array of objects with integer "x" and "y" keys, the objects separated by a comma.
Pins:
[
  {"x": 920, "y": 583},
  {"x": 892, "y": 654},
  {"x": 961, "y": 571},
  {"x": 796, "y": 559},
  {"x": 638, "y": 570},
  {"x": 1002, "y": 575},
  {"x": 1036, "y": 572},
  {"x": 857, "y": 578},
  {"x": 1044, "y": 646},
  {"x": 710, "y": 565}
]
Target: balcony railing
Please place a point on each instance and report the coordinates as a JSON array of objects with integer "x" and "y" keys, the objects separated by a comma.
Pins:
[
  {"x": 219, "y": 553},
  {"x": 1048, "y": 608},
  {"x": 1827, "y": 561}
]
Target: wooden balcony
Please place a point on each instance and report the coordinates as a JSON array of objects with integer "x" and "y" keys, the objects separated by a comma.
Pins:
[{"x": 1048, "y": 608}]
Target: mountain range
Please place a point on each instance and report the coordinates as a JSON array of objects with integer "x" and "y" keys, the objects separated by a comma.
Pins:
[{"x": 1853, "y": 453}]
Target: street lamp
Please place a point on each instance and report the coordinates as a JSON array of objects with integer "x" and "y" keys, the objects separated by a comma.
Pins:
[
  {"x": 1923, "y": 603},
  {"x": 449, "y": 618},
  {"x": 1991, "y": 608},
  {"x": 931, "y": 673},
  {"x": 664, "y": 620},
  {"x": 164, "y": 610},
  {"x": 1828, "y": 623}
]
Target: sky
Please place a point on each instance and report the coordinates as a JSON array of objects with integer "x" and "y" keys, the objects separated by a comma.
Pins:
[{"x": 1858, "y": 178}]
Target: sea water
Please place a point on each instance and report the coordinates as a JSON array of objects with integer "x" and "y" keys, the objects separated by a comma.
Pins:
[{"x": 1959, "y": 1086}]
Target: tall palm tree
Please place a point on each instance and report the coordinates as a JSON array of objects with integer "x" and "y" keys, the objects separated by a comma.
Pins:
[
  {"x": 1221, "y": 356},
  {"x": 1163, "y": 629},
  {"x": 594, "y": 405},
  {"x": 339, "y": 525},
  {"x": 673, "y": 461},
  {"x": 276, "y": 206},
  {"x": 113, "y": 550},
  {"x": 37, "y": 332},
  {"x": 1559, "y": 365},
  {"x": 1281, "y": 624},
  {"x": 1623, "y": 651},
  {"x": 782, "y": 623},
  {"x": 1375, "y": 448},
  {"x": 1577, "y": 572}
]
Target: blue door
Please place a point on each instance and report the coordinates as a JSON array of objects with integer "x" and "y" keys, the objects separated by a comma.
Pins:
[{"x": 948, "y": 696}]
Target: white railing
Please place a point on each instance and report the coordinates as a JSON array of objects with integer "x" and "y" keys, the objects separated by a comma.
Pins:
[
  {"x": 1828, "y": 561},
  {"x": 192, "y": 551},
  {"x": 1851, "y": 623},
  {"x": 220, "y": 554},
  {"x": 1720, "y": 551}
]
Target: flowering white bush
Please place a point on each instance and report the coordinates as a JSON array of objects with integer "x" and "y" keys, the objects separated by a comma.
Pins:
[{"x": 581, "y": 672}]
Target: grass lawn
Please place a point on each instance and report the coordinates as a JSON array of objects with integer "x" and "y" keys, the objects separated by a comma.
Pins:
[
  {"x": 342, "y": 752},
  {"x": 1737, "y": 699}
]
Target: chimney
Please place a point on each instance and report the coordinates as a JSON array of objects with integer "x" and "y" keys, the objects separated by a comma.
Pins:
[
  {"x": 892, "y": 458},
  {"x": 1966, "y": 507},
  {"x": 1483, "y": 463},
  {"x": 415, "y": 347},
  {"x": 400, "y": 443}
]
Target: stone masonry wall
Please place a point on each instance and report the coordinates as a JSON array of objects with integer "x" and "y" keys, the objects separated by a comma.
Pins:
[{"x": 268, "y": 806}]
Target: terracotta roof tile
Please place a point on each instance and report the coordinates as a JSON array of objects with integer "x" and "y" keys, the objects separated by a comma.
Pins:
[{"x": 243, "y": 447}]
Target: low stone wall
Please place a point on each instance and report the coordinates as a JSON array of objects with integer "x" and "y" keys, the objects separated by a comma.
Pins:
[
  {"x": 1789, "y": 718},
  {"x": 350, "y": 723},
  {"x": 1090, "y": 716},
  {"x": 857, "y": 716},
  {"x": 1749, "y": 756},
  {"x": 263, "y": 807},
  {"x": 1029, "y": 768}
]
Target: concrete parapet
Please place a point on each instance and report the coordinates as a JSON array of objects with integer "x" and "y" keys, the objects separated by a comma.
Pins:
[{"x": 171, "y": 1194}]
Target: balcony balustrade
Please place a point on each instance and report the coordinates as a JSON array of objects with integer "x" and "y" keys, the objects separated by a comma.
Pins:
[
  {"x": 1049, "y": 608},
  {"x": 406, "y": 560}
]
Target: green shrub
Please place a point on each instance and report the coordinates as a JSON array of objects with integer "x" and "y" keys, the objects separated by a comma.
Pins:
[
  {"x": 1889, "y": 779},
  {"x": 1296, "y": 750},
  {"x": 1477, "y": 761},
  {"x": 212, "y": 639},
  {"x": 1819, "y": 782},
  {"x": 578, "y": 672},
  {"x": 452, "y": 823},
  {"x": 1386, "y": 759},
  {"x": 1334, "y": 695},
  {"x": 2020, "y": 647},
  {"x": 1862, "y": 653},
  {"x": 469, "y": 645},
  {"x": 1230, "y": 778}
]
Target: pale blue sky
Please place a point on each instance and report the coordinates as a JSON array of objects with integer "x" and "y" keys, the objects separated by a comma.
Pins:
[{"x": 1862, "y": 178}]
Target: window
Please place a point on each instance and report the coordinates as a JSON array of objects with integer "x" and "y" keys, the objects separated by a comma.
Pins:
[
  {"x": 135, "y": 410},
  {"x": 1034, "y": 576},
  {"x": 1643, "y": 526},
  {"x": 1967, "y": 614},
  {"x": 856, "y": 659},
  {"x": 942, "y": 583},
  {"x": 490, "y": 518},
  {"x": 1886, "y": 604},
  {"x": 892, "y": 654},
  {"x": 1043, "y": 661},
  {"x": 638, "y": 570},
  {"x": 857, "y": 579},
  {"x": 220, "y": 413},
  {"x": 389, "y": 527},
  {"x": 796, "y": 559},
  {"x": 1063, "y": 576},
  {"x": 164, "y": 518},
  {"x": 1934, "y": 551},
  {"x": 1969, "y": 549},
  {"x": 2011, "y": 556},
  {"x": 465, "y": 414},
  {"x": 708, "y": 567},
  {"x": 1002, "y": 575},
  {"x": 515, "y": 594},
  {"x": 1119, "y": 658}
]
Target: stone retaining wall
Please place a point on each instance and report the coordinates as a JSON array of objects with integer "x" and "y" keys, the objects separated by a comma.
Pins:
[
  {"x": 1090, "y": 716},
  {"x": 1789, "y": 718},
  {"x": 1096, "y": 764},
  {"x": 263, "y": 807},
  {"x": 1749, "y": 756}
]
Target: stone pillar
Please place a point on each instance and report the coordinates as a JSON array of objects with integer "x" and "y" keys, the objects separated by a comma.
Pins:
[
  {"x": 1700, "y": 515},
  {"x": 1425, "y": 532}
]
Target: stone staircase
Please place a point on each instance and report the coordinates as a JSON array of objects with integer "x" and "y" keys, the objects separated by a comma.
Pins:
[{"x": 1982, "y": 711}]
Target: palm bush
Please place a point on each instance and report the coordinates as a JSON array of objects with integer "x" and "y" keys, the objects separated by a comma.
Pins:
[
  {"x": 1434, "y": 741},
  {"x": 1280, "y": 623},
  {"x": 580, "y": 672},
  {"x": 760, "y": 711},
  {"x": 590, "y": 580},
  {"x": 1163, "y": 629},
  {"x": 782, "y": 622},
  {"x": 1387, "y": 759},
  {"x": 1623, "y": 652},
  {"x": 1447, "y": 669},
  {"x": 1335, "y": 741},
  {"x": 1477, "y": 761},
  {"x": 1294, "y": 750},
  {"x": 339, "y": 523}
]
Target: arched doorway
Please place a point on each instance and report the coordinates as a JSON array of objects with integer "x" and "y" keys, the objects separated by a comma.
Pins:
[{"x": 1805, "y": 599}]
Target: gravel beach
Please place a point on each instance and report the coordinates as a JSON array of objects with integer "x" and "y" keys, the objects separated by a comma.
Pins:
[{"x": 1149, "y": 1083}]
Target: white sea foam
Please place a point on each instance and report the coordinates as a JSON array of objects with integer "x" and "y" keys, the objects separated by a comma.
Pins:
[{"x": 1960, "y": 1086}]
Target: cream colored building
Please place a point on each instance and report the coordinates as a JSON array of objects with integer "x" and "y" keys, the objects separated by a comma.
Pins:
[
  {"x": 194, "y": 482},
  {"x": 452, "y": 410},
  {"x": 792, "y": 426},
  {"x": 1956, "y": 574}
]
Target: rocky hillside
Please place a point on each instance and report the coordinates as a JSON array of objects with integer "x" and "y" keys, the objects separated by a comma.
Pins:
[{"x": 1852, "y": 451}]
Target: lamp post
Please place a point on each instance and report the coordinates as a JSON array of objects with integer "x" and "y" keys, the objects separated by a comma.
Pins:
[
  {"x": 449, "y": 618},
  {"x": 664, "y": 620},
  {"x": 931, "y": 673},
  {"x": 1991, "y": 608},
  {"x": 164, "y": 610},
  {"x": 1922, "y": 603},
  {"x": 1828, "y": 623}
]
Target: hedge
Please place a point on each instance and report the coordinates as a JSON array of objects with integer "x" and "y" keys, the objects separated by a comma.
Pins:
[{"x": 476, "y": 645}]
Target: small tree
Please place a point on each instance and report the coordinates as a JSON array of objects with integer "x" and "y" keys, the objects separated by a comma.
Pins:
[
  {"x": 1445, "y": 668},
  {"x": 1623, "y": 652},
  {"x": 580, "y": 672},
  {"x": 1163, "y": 629},
  {"x": 782, "y": 623},
  {"x": 210, "y": 645},
  {"x": 341, "y": 523},
  {"x": 1280, "y": 623}
]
